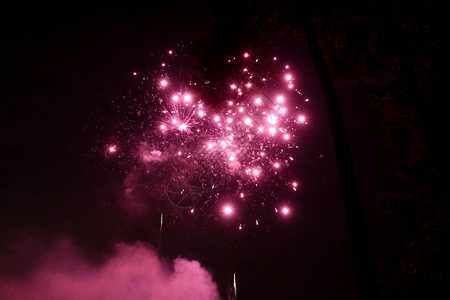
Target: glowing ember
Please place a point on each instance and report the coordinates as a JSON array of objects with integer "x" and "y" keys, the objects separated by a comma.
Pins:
[
  {"x": 112, "y": 149},
  {"x": 272, "y": 130},
  {"x": 187, "y": 98},
  {"x": 285, "y": 210},
  {"x": 163, "y": 83},
  {"x": 228, "y": 210}
]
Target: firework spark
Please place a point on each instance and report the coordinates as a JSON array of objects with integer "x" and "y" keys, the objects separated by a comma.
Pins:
[{"x": 238, "y": 152}]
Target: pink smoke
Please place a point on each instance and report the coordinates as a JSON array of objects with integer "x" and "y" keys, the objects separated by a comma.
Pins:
[{"x": 134, "y": 272}]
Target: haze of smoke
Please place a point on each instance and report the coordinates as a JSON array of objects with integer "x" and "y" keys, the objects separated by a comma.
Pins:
[{"x": 134, "y": 272}]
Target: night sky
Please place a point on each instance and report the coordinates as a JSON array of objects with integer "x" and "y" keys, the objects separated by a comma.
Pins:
[{"x": 63, "y": 64}]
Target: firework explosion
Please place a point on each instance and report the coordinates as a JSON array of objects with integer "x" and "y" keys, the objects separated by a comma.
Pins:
[{"x": 229, "y": 160}]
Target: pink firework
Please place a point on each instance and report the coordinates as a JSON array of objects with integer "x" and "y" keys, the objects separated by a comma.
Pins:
[{"x": 239, "y": 150}]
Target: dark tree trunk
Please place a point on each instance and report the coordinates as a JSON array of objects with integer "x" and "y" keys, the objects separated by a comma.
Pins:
[{"x": 363, "y": 258}]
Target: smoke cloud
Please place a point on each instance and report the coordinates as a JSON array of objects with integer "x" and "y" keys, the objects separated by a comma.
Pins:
[{"x": 133, "y": 272}]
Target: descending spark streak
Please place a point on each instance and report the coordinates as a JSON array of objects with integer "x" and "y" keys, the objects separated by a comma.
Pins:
[
  {"x": 160, "y": 229},
  {"x": 234, "y": 286}
]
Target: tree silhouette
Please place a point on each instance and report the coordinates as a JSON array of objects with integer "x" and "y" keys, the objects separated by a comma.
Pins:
[{"x": 259, "y": 25}]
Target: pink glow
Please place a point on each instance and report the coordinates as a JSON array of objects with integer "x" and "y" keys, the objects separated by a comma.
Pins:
[
  {"x": 246, "y": 55},
  {"x": 187, "y": 98},
  {"x": 175, "y": 98},
  {"x": 280, "y": 99},
  {"x": 182, "y": 127},
  {"x": 163, "y": 82},
  {"x": 272, "y": 119},
  {"x": 233, "y": 86},
  {"x": 112, "y": 149},
  {"x": 285, "y": 210},
  {"x": 134, "y": 74},
  {"x": 301, "y": 119},
  {"x": 258, "y": 101},
  {"x": 228, "y": 210},
  {"x": 288, "y": 77},
  {"x": 276, "y": 165}
]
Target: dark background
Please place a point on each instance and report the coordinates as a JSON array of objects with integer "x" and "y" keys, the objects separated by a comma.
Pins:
[{"x": 61, "y": 66}]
